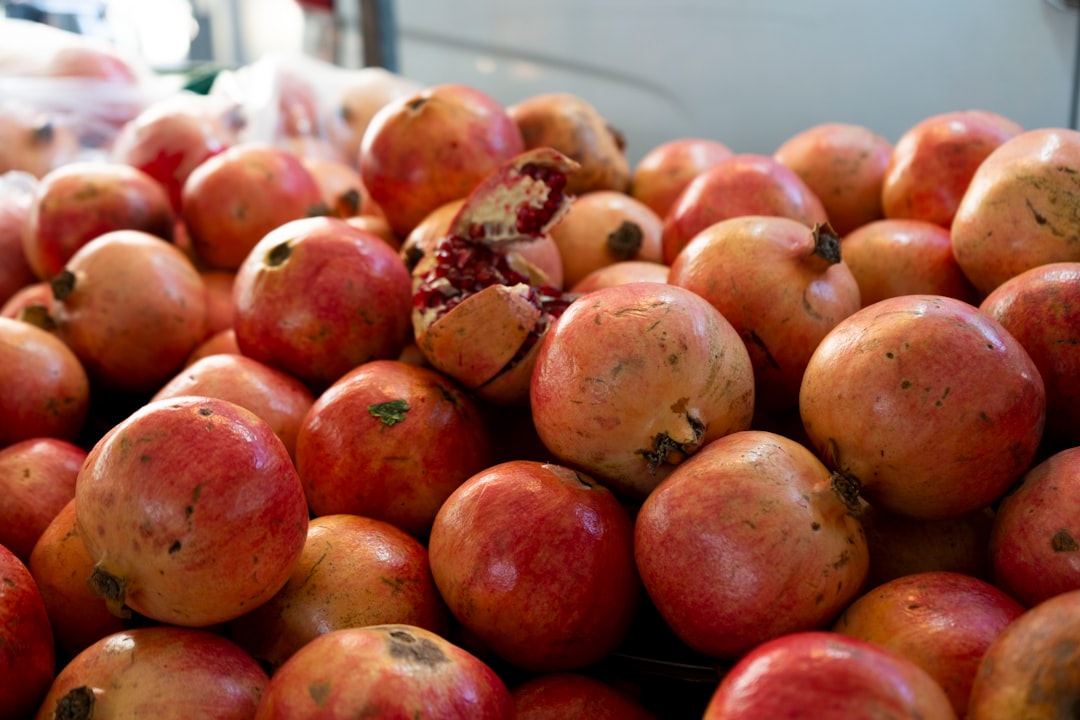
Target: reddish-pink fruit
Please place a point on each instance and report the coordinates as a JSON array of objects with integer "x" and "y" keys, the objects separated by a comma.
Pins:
[
  {"x": 1040, "y": 307},
  {"x": 573, "y": 126},
  {"x": 80, "y": 201},
  {"x": 1035, "y": 541},
  {"x": 743, "y": 184},
  {"x": 574, "y": 696},
  {"x": 27, "y": 653},
  {"x": 929, "y": 406},
  {"x": 45, "y": 392},
  {"x": 1032, "y": 669},
  {"x": 933, "y": 162},
  {"x": 220, "y": 310},
  {"x": 163, "y": 672},
  {"x": 904, "y": 257},
  {"x": 35, "y": 298},
  {"x": 618, "y": 388},
  {"x": 844, "y": 165},
  {"x": 479, "y": 307},
  {"x": 60, "y": 566},
  {"x": 781, "y": 285},
  {"x": 665, "y": 171},
  {"x": 132, "y": 307},
  {"x": 37, "y": 479},
  {"x": 234, "y": 198},
  {"x": 34, "y": 143},
  {"x": 170, "y": 138},
  {"x": 1017, "y": 213},
  {"x": 192, "y": 512},
  {"x": 749, "y": 539},
  {"x": 941, "y": 621},
  {"x": 829, "y": 676},
  {"x": 277, "y": 397},
  {"x": 354, "y": 572},
  {"x": 621, "y": 273},
  {"x": 16, "y": 195},
  {"x": 391, "y": 441},
  {"x": 391, "y": 671},
  {"x": 901, "y": 545},
  {"x": 605, "y": 227},
  {"x": 362, "y": 93},
  {"x": 536, "y": 562},
  {"x": 343, "y": 192},
  {"x": 221, "y": 342},
  {"x": 317, "y": 297},
  {"x": 425, "y": 149}
]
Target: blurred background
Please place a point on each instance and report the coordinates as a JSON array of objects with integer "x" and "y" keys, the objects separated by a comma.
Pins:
[{"x": 749, "y": 74}]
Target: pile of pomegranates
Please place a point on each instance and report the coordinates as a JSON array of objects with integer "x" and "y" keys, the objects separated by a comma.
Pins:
[{"x": 454, "y": 411}]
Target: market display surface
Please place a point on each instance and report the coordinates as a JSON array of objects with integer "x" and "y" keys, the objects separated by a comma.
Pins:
[{"x": 326, "y": 394}]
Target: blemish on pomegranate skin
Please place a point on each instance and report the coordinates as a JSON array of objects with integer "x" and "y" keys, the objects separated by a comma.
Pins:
[
  {"x": 1064, "y": 542},
  {"x": 174, "y": 548},
  {"x": 205, "y": 411},
  {"x": 319, "y": 692}
]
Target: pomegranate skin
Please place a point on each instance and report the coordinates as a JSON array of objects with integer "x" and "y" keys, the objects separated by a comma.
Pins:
[
  {"x": 1040, "y": 307},
  {"x": 387, "y": 671},
  {"x": 192, "y": 512},
  {"x": 747, "y": 540},
  {"x": 574, "y": 696},
  {"x": 27, "y": 655},
  {"x": 838, "y": 677},
  {"x": 665, "y": 171},
  {"x": 930, "y": 406},
  {"x": 941, "y": 621},
  {"x": 37, "y": 479},
  {"x": 163, "y": 672},
  {"x": 637, "y": 351},
  {"x": 1032, "y": 669},
  {"x": 1034, "y": 550}
]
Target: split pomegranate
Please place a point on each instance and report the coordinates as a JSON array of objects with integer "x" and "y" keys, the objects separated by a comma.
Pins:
[
  {"x": 634, "y": 378},
  {"x": 749, "y": 539},
  {"x": 163, "y": 672},
  {"x": 479, "y": 310},
  {"x": 192, "y": 512},
  {"x": 929, "y": 406},
  {"x": 781, "y": 285}
]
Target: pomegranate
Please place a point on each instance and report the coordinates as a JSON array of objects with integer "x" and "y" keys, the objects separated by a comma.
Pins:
[
  {"x": 37, "y": 478},
  {"x": 343, "y": 192},
  {"x": 170, "y": 138},
  {"x": 941, "y": 621},
  {"x": 80, "y": 201},
  {"x": 354, "y": 572},
  {"x": 221, "y": 342},
  {"x": 45, "y": 392},
  {"x": 1040, "y": 307},
  {"x": 235, "y": 197},
  {"x": 604, "y": 227},
  {"x": 781, "y": 285},
  {"x": 930, "y": 407},
  {"x": 277, "y": 397},
  {"x": 317, "y": 297},
  {"x": 844, "y": 165},
  {"x": 422, "y": 150},
  {"x": 574, "y": 696},
  {"x": 16, "y": 196},
  {"x": 34, "y": 143},
  {"x": 905, "y": 257},
  {"x": 574, "y": 127},
  {"x": 192, "y": 512},
  {"x": 1034, "y": 549},
  {"x": 34, "y": 299},
  {"x": 60, "y": 566},
  {"x": 839, "y": 677},
  {"x": 749, "y": 539},
  {"x": 219, "y": 301},
  {"x": 363, "y": 92},
  {"x": 536, "y": 562},
  {"x": 744, "y": 184},
  {"x": 479, "y": 308},
  {"x": 638, "y": 351},
  {"x": 901, "y": 545},
  {"x": 621, "y": 273},
  {"x": 933, "y": 162},
  {"x": 1031, "y": 670},
  {"x": 664, "y": 171},
  {"x": 161, "y": 672},
  {"x": 27, "y": 655},
  {"x": 132, "y": 308},
  {"x": 378, "y": 226},
  {"x": 390, "y": 441},
  {"x": 398, "y": 671},
  {"x": 1017, "y": 211}
]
